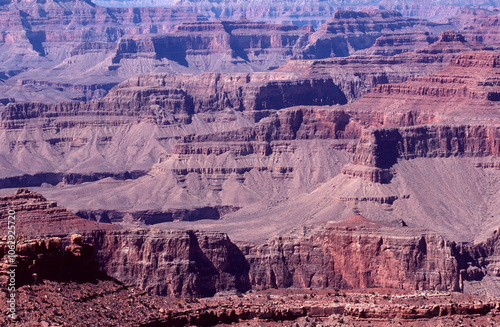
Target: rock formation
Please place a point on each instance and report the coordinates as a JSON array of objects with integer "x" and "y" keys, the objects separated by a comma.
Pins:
[
  {"x": 36, "y": 217},
  {"x": 471, "y": 84},
  {"x": 253, "y": 180},
  {"x": 356, "y": 253},
  {"x": 113, "y": 44},
  {"x": 311, "y": 12},
  {"x": 43, "y": 258},
  {"x": 203, "y": 263},
  {"x": 184, "y": 262}
]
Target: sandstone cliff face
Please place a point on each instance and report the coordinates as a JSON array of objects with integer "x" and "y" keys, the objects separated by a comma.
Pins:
[
  {"x": 161, "y": 262},
  {"x": 393, "y": 44},
  {"x": 355, "y": 254},
  {"x": 469, "y": 85},
  {"x": 172, "y": 262}
]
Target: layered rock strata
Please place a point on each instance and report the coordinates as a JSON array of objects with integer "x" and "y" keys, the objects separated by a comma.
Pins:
[
  {"x": 355, "y": 254},
  {"x": 335, "y": 37},
  {"x": 379, "y": 149},
  {"x": 161, "y": 262},
  {"x": 173, "y": 262},
  {"x": 113, "y": 44},
  {"x": 467, "y": 120}
]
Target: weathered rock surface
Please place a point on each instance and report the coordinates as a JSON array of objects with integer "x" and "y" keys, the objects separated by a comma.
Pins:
[
  {"x": 173, "y": 262},
  {"x": 379, "y": 149},
  {"x": 42, "y": 258},
  {"x": 68, "y": 303},
  {"x": 356, "y": 253},
  {"x": 203, "y": 263},
  {"x": 305, "y": 12},
  {"x": 184, "y": 262},
  {"x": 349, "y": 31},
  {"x": 470, "y": 84},
  {"x": 479, "y": 25},
  {"x": 42, "y": 35},
  {"x": 380, "y": 307}
]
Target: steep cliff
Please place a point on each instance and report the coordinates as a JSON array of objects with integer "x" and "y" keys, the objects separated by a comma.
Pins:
[
  {"x": 356, "y": 253},
  {"x": 466, "y": 89},
  {"x": 184, "y": 262},
  {"x": 172, "y": 262},
  {"x": 379, "y": 149},
  {"x": 45, "y": 258}
]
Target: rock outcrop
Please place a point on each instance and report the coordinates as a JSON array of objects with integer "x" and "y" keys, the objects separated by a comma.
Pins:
[
  {"x": 36, "y": 217},
  {"x": 184, "y": 262},
  {"x": 41, "y": 259},
  {"x": 173, "y": 262},
  {"x": 218, "y": 45},
  {"x": 466, "y": 89},
  {"x": 356, "y": 253},
  {"x": 379, "y": 149}
]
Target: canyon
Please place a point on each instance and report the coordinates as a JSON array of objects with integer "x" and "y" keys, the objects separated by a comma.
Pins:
[
  {"x": 54, "y": 51},
  {"x": 180, "y": 165}
]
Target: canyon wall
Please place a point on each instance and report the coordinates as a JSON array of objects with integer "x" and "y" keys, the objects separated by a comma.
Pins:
[{"x": 352, "y": 254}]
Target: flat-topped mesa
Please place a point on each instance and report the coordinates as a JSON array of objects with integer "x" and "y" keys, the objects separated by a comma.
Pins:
[
  {"x": 450, "y": 42},
  {"x": 451, "y": 36},
  {"x": 294, "y": 123}
]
